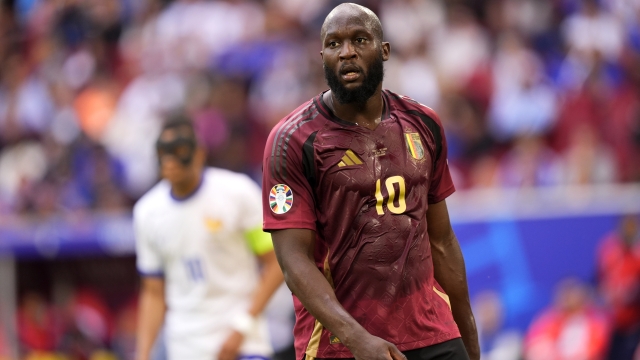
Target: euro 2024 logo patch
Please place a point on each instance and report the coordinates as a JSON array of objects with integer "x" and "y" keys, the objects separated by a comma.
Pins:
[{"x": 280, "y": 199}]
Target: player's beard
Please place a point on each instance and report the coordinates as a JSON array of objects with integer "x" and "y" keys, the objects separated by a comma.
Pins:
[{"x": 359, "y": 95}]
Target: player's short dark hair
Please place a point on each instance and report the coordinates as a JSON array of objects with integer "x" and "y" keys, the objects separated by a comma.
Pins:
[{"x": 178, "y": 121}]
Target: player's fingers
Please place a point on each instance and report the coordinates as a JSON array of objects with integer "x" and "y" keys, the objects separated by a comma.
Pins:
[{"x": 395, "y": 353}]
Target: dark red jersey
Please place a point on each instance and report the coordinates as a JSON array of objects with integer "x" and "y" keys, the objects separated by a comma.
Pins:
[{"x": 365, "y": 193}]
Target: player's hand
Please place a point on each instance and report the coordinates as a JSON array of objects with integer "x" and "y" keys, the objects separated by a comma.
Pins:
[
  {"x": 375, "y": 348},
  {"x": 231, "y": 346}
]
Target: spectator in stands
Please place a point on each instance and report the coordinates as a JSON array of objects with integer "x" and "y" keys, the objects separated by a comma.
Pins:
[
  {"x": 38, "y": 326},
  {"x": 588, "y": 160},
  {"x": 571, "y": 329},
  {"x": 530, "y": 163},
  {"x": 87, "y": 325},
  {"x": 496, "y": 341},
  {"x": 523, "y": 104},
  {"x": 619, "y": 280}
]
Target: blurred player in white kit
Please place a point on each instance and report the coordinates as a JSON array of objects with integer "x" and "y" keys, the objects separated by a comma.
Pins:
[{"x": 199, "y": 244}]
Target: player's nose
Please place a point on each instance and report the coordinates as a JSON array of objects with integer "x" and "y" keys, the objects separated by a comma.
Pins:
[
  {"x": 347, "y": 51},
  {"x": 168, "y": 162}
]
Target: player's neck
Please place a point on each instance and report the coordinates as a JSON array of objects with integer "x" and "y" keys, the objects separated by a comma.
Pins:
[
  {"x": 188, "y": 186},
  {"x": 368, "y": 114}
]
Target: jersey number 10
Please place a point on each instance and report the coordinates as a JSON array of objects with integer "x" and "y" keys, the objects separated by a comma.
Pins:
[{"x": 391, "y": 191}]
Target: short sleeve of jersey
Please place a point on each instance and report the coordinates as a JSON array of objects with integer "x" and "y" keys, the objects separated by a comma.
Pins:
[
  {"x": 441, "y": 183},
  {"x": 251, "y": 217},
  {"x": 251, "y": 205},
  {"x": 287, "y": 197},
  {"x": 148, "y": 259}
]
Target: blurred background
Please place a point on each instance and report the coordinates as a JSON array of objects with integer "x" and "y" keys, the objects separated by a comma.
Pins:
[{"x": 540, "y": 100}]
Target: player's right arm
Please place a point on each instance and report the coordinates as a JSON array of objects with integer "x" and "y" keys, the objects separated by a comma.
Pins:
[
  {"x": 151, "y": 312},
  {"x": 149, "y": 261},
  {"x": 294, "y": 250}
]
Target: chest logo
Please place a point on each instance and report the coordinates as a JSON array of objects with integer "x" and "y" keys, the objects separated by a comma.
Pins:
[
  {"x": 414, "y": 145},
  {"x": 213, "y": 225},
  {"x": 280, "y": 199},
  {"x": 349, "y": 159}
]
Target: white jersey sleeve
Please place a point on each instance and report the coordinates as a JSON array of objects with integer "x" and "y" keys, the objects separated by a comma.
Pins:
[
  {"x": 250, "y": 222},
  {"x": 251, "y": 205},
  {"x": 148, "y": 258}
]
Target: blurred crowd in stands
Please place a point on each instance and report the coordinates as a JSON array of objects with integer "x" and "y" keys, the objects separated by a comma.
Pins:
[
  {"x": 597, "y": 320},
  {"x": 531, "y": 93}
]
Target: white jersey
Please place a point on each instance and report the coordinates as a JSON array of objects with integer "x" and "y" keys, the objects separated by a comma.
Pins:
[{"x": 198, "y": 245}]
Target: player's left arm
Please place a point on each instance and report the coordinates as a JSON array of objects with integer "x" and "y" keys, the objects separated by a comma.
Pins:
[
  {"x": 270, "y": 279},
  {"x": 270, "y": 276},
  {"x": 261, "y": 245},
  {"x": 449, "y": 271}
]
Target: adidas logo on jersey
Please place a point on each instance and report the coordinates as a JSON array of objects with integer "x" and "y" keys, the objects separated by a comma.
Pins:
[{"x": 349, "y": 159}]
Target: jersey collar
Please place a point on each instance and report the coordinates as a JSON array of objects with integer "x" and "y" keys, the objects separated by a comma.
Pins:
[
  {"x": 326, "y": 111},
  {"x": 190, "y": 195}
]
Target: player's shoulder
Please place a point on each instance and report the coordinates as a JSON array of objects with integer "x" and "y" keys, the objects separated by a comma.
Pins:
[
  {"x": 227, "y": 180},
  {"x": 305, "y": 117},
  {"x": 408, "y": 105},
  {"x": 226, "y": 176},
  {"x": 154, "y": 199}
]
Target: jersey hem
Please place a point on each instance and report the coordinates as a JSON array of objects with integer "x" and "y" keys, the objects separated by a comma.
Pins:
[
  {"x": 158, "y": 273},
  {"x": 402, "y": 347},
  {"x": 411, "y": 345},
  {"x": 289, "y": 225}
]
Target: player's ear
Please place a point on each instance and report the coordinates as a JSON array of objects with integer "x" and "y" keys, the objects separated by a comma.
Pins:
[{"x": 386, "y": 50}]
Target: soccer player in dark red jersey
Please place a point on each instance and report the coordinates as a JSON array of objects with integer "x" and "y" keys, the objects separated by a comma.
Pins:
[{"x": 354, "y": 188}]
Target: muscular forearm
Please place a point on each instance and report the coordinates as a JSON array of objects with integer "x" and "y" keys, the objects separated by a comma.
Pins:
[
  {"x": 150, "y": 317},
  {"x": 317, "y": 296},
  {"x": 295, "y": 252},
  {"x": 450, "y": 273}
]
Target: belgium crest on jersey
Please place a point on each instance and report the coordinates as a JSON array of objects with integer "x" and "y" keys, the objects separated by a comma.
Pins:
[{"x": 414, "y": 145}]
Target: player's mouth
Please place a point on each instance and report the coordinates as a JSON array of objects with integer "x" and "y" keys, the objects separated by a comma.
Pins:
[{"x": 350, "y": 73}]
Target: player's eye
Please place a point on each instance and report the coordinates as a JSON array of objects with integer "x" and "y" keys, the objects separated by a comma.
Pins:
[
  {"x": 182, "y": 151},
  {"x": 333, "y": 44},
  {"x": 361, "y": 40}
]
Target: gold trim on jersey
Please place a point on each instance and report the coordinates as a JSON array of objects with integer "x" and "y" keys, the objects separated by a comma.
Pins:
[
  {"x": 444, "y": 296},
  {"x": 327, "y": 271},
  {"x": 314, "y": 340},
  {"x": 350, "y": 158}
]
